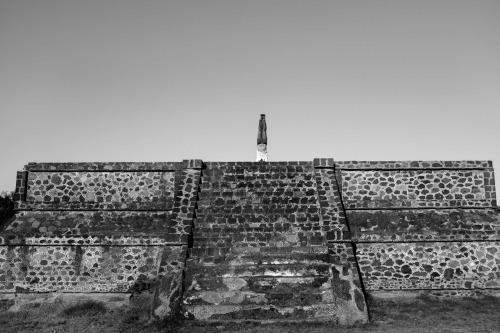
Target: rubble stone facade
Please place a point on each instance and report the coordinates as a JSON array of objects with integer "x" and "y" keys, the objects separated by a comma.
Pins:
[{"x": 275, "y": 241}]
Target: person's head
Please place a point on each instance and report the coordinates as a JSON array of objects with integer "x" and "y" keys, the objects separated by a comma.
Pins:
[{"x": 262, "y": 116}]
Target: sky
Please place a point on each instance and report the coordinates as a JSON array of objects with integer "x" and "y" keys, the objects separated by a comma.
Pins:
[{"x": 123, "y": 80}]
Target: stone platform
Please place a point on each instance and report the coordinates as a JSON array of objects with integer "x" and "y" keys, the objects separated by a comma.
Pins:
[{"x": 263, "y": 241}]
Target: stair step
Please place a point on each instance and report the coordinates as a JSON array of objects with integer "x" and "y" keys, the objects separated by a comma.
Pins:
[
  {"x": 265, "y": 258},
  {"x": 257, "y": 284},
  {"x": 272, "y": 270},
  {"x": 334, "y": 312},
  {"x": 282, "y": 297},
  {"x": 264, "y": 253}
]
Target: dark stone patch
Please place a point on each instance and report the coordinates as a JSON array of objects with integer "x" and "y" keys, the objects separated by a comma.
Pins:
[
  {"x": 341, "y": 288},
  {"x": 448, "y": 273},
  {"x": 359, "y": 299},
  {"x": 405, "y": 269}
]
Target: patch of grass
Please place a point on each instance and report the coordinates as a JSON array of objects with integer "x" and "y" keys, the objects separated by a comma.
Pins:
[
  {"x": 423, "y": 314},
  {"x": 87, "y": 308},
  {"x": 6, "y": 208},
  {"x": 131, "y": 317}
]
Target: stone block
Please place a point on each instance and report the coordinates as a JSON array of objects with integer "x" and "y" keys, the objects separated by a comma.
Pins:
[
  {"x": 323, "y": 163},
  {"x": 192, "y": 164}
]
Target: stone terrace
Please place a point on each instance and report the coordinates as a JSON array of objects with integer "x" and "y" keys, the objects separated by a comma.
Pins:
[
  {"x": 233, "y": 241},
  {"x": 265, "y": 248}
]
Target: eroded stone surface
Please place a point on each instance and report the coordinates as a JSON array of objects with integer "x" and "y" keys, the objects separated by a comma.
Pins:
[
  {"x": 416, "y": 188},
  {"x": 84, "y": 268},
  {"x": 271, "y": 241},
  {"x": 414, "y": 164},
  {"x": 401, "y": 245},
  {"x": 117, "y": 190},
  {"x": 286, "y": 285},
  {"x": 424, "y": 224},
  {"x": 437, "y": 265},
  {"x": 168, "y": 296},
  {"x": 252, "y": 204},
  {"x": 261, "y": 246}
]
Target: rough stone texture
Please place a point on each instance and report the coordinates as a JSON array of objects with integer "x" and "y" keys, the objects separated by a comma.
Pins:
[
  {"x": 168, "y": 296},
  {"x": 371, "y": 165},
  {"x": 100, "y": 190},
  {"x": 417, "y": 188},
  {"x": 274, "y": 284},
  {"x": 84, "y": 268},
  {"x": 256, "y": 204},
  {"x": 329, "y": 200},
  {"x": 168, "y": 291},
  {"x": 101, "y": 228},
  {"x": 106, "y": 166},
  {"x": 94, "y": 227},
  {"x": 261, "y": 246},
  {"x": 436, "y": 265},
  {"x": 384, "y": 225},
  {"x": 277, "y": 241},
  {"x": 410, "y": 295},
  {"x": 186, "y": 196},
  {"x": 422, "y": 226}
]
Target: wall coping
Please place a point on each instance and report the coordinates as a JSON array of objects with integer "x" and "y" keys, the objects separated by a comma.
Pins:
[
  {"x": 413, "y": 165},
  {"x": 197, "y": 163}
]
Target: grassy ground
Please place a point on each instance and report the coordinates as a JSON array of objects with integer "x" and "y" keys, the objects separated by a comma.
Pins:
[{"x": 421, "y": 315}]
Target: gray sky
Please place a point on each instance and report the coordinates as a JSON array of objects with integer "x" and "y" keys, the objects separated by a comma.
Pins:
[{"x": 165, "y": 80}]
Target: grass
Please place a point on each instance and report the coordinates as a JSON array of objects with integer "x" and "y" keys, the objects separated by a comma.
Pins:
[
  {"x": 423, "y": 314},
  {"x": 87, "y": 308}
]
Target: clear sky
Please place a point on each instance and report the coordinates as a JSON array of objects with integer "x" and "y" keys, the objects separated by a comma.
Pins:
[{"x": 130, "y": 80}]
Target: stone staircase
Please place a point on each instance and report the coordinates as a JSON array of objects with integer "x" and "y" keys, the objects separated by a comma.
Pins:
[
  {"x": 260, "y": 250},
  {"x": 273, "y": 284}
]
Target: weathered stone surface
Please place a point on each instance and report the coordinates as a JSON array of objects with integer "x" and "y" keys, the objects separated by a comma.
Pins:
[
  {"x": 168, "y": 296},
  {"x": 263, "y": 246},
  {"x": 371, "y": 165},
  {"x": 98, "y": 227},
  {"x": 83, "y": 268},
  {"x": 276, "y": 241},
  {"x": 100, "y": 190},
  {"x": 92, "y": 226},
  {"x": 424, "y": 225},
  {"x": 105, "y": 166},
  {"x": 254, "y": 287},
  {"x": 416, "y": 188},
  {"x": 436, "y": 265}
]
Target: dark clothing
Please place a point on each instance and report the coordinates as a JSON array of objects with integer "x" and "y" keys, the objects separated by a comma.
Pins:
[{"x": 262, "y": 136}]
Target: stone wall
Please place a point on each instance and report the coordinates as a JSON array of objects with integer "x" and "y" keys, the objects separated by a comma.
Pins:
[
  {"x": 268, "y": 245},
  {"x": 254, "y": 241},
  {"x": 99, "y": 227},
  {"x": 424, "y": 225}
]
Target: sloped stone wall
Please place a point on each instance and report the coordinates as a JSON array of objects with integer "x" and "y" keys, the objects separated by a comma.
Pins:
[
  {"x": 263, "y": 241},
  {"x": 250, "y": 204},
  {"x": 270, "y": 243},
  {"x": 100, "y": 227},
  {"x": 423, "y": 225}
]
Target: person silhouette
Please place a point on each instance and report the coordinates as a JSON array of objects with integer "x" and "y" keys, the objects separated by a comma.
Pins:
[{"x": 262, "y": 140}]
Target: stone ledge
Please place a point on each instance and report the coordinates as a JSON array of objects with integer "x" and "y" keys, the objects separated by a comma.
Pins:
[
  {"x": 324, "y": 163},
  {"x": 104, "y": 166},
  {"x": 371, "y": 165}
]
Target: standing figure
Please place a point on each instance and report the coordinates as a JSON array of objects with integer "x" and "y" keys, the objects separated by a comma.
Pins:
[{"x": 262, "y": 140}]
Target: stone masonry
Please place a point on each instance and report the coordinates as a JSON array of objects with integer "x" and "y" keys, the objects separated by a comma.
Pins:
[
  {"x": 269, "y": 244},
  {"x": 429, "y": 226},
  {"x": 254, "y": 241}
]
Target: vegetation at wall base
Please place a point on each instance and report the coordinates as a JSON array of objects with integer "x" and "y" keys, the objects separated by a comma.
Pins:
[
  {"x": 87, "y": 308},
  {"x": 422, "y": 314},
  {"x": 6, "y": 207}
]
